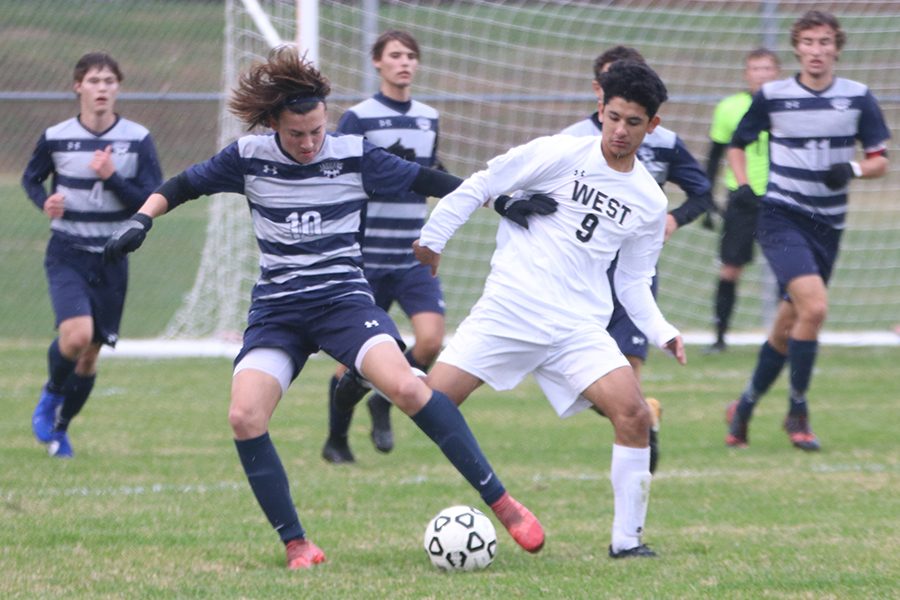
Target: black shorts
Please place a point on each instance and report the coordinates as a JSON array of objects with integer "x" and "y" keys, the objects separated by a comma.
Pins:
[
  {"x": 738, "y": 233},
  {"x": 82, "y": 285}
]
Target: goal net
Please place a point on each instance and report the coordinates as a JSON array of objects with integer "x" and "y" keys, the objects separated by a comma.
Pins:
[{"x": 504, "y": 72}]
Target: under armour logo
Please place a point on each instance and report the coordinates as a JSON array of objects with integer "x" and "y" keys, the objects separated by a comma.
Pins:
[
  {"x": 73, "y": 146},
  {"x": 371, "y": 324},
  {"x": 789, "y": 104},
  {"x": 270, "y": 170}
]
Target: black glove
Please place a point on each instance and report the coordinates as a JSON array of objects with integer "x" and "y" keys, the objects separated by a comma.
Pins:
[
  {"x": 127, "y": 239},
  {"x": 743, "y": 197},
  {"x": 838, "y": 175},
  {"x": 517, "y": 209},
  {"x": 398, "y": 149}
]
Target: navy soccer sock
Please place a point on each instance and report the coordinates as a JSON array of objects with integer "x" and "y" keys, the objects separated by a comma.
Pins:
[
  {"x": 802, "y": 354},
  {"x": 725, "y": 295},
  {"x": 76, "y": 392},
  {"x": 338, "y": 421},
  {"x": 59, "y": 368},
  {"x": 441, "y": 420},
  {"x": 768, "y": 366},
  {"x": 270, "y": 485}
]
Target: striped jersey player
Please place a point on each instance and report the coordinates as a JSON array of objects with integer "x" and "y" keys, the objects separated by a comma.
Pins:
[
  {"x": 394, "y": 120},
  {"x": 101, "y": 167},
  {"x": 306, "y": 191},
  {"x": 814, "y": 120}
]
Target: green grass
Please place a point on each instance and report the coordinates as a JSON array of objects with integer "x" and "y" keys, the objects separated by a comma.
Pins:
[{"x": 155, "y": 504}]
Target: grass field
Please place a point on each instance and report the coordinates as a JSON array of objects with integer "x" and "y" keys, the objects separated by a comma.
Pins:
[{"x": 155, "y": 504}]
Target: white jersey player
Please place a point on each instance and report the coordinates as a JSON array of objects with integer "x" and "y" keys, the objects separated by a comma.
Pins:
[{"x": 547, "y": 299}]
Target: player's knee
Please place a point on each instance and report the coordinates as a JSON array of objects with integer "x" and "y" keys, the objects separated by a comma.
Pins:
[
  {"x": 245, "y": 422},
  {"x": 633, "y": 421},
  {"x": 405, "y": 391},
  {"x": 75, "y": 341},
  {"x": 814, "y": 312}
]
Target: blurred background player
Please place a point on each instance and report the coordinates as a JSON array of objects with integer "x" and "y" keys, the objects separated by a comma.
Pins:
[
  {"x": 307, "y": 191},
  {"x": 739, "y": 224},
  {"x": 103, "y": 167},
  {"x": 813, "y": 120},
  {"x": 666, "y": 157},
  {"x": 547, "y": 298},
  {"x": 391, "y": 119}
]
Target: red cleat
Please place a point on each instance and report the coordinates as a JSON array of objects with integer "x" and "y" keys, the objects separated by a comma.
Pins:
[
  {"x": 520, "y": 522},
  {"x": 737, "y": 436},
  {"x": 302, "y": 554}
]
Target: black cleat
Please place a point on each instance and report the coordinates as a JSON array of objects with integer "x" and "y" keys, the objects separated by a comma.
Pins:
[
  {"x": 350, "y": 389},
  {"x": 642, "y": 551},
  {"x": 654, "y": 450},
  {"x": 717, "y": 347},
  {"x": 337, "y": 452},
  {"x": 382, "y": 436}
]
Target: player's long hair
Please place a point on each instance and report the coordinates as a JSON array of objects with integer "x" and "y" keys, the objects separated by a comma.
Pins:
[
  {"x": 634, "y": 82},
  {"x": 285, "y": 81}
]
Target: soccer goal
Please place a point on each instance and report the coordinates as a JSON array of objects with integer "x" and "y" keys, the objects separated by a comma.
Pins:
[{"x": 504, "y": 72}]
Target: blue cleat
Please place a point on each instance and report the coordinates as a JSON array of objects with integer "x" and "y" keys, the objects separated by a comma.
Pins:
[
  {"x": 59, "y": 446},
  {"x": 44, "y": 415}
]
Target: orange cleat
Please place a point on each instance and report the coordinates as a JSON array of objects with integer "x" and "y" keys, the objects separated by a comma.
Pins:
[
  {"x": 520, "y": 522},
  {"x": 302, "y": 554}
]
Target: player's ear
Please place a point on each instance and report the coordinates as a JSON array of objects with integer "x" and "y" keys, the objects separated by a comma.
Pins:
[{"x": 653, "y": 123}]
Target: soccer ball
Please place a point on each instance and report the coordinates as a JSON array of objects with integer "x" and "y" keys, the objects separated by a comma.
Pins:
[{"x": 460, "y": 538}]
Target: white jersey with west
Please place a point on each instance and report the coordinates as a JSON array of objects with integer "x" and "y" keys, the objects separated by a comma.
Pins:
[{"x": 554, "y": 273}]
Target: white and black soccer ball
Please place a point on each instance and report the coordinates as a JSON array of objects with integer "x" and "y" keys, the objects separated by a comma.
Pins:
[{"x": 461, "y": 538}]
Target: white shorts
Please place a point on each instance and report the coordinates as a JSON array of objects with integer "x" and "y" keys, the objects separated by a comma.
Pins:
[{"x": 563, "y": 366}]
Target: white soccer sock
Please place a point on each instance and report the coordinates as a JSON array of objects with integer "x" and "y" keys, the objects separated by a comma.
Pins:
[{"x": 630, "y": 477}]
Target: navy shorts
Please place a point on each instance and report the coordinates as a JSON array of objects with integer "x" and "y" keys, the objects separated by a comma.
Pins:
[
  {"x": 339, "y": 328},
  {"x": 738, "y": 229},
  {"x": 630, "y": 339},
  {"x": 414, "y": 289},
  {"x": 795, "y": 245},
  {"x": 80, "y": 285}
]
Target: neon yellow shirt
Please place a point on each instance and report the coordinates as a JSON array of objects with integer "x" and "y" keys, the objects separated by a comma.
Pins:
[{"x": 726, "y": 117}]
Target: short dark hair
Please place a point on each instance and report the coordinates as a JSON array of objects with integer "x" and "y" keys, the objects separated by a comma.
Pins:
[
  {"x": 96, "y": 60},
  {"x": 762, "y": 53},
  {"x": 634, "y": 81},
  {"x": 404, "y": 37},
  {"x": 818, "y": 18},
  {"x": 612, "y": 55}
]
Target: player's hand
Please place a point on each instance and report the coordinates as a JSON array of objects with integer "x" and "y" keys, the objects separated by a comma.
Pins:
[
  {"x": 102, "y": 163},
  {"x": 54, "y": 206},
  {"x": 398, "y": 149},
  {"x": 427, "y": 256},
  {"x": 743, "y": 197},
  {"x": 671, "y": 227},
  {"x": 518, "y": 208},
  {"x": 128, "y": 238},
  {"x": 675, "y": 347},
  {"x": 839, "y": 175}
]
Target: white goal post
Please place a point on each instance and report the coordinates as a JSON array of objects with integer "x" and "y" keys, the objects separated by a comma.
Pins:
[{"x": 502, "y": 72}]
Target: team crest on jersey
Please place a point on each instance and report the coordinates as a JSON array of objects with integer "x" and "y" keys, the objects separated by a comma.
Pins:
[
  {"x": 331, "y": 168},
  {"x": 120, "y": 148},
  {"x": 423, "y": 123},
  {"x": 840, "y": 104}
]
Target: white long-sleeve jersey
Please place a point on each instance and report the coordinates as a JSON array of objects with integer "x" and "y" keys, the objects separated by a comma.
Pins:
[{"x": 554, "y": 272}]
